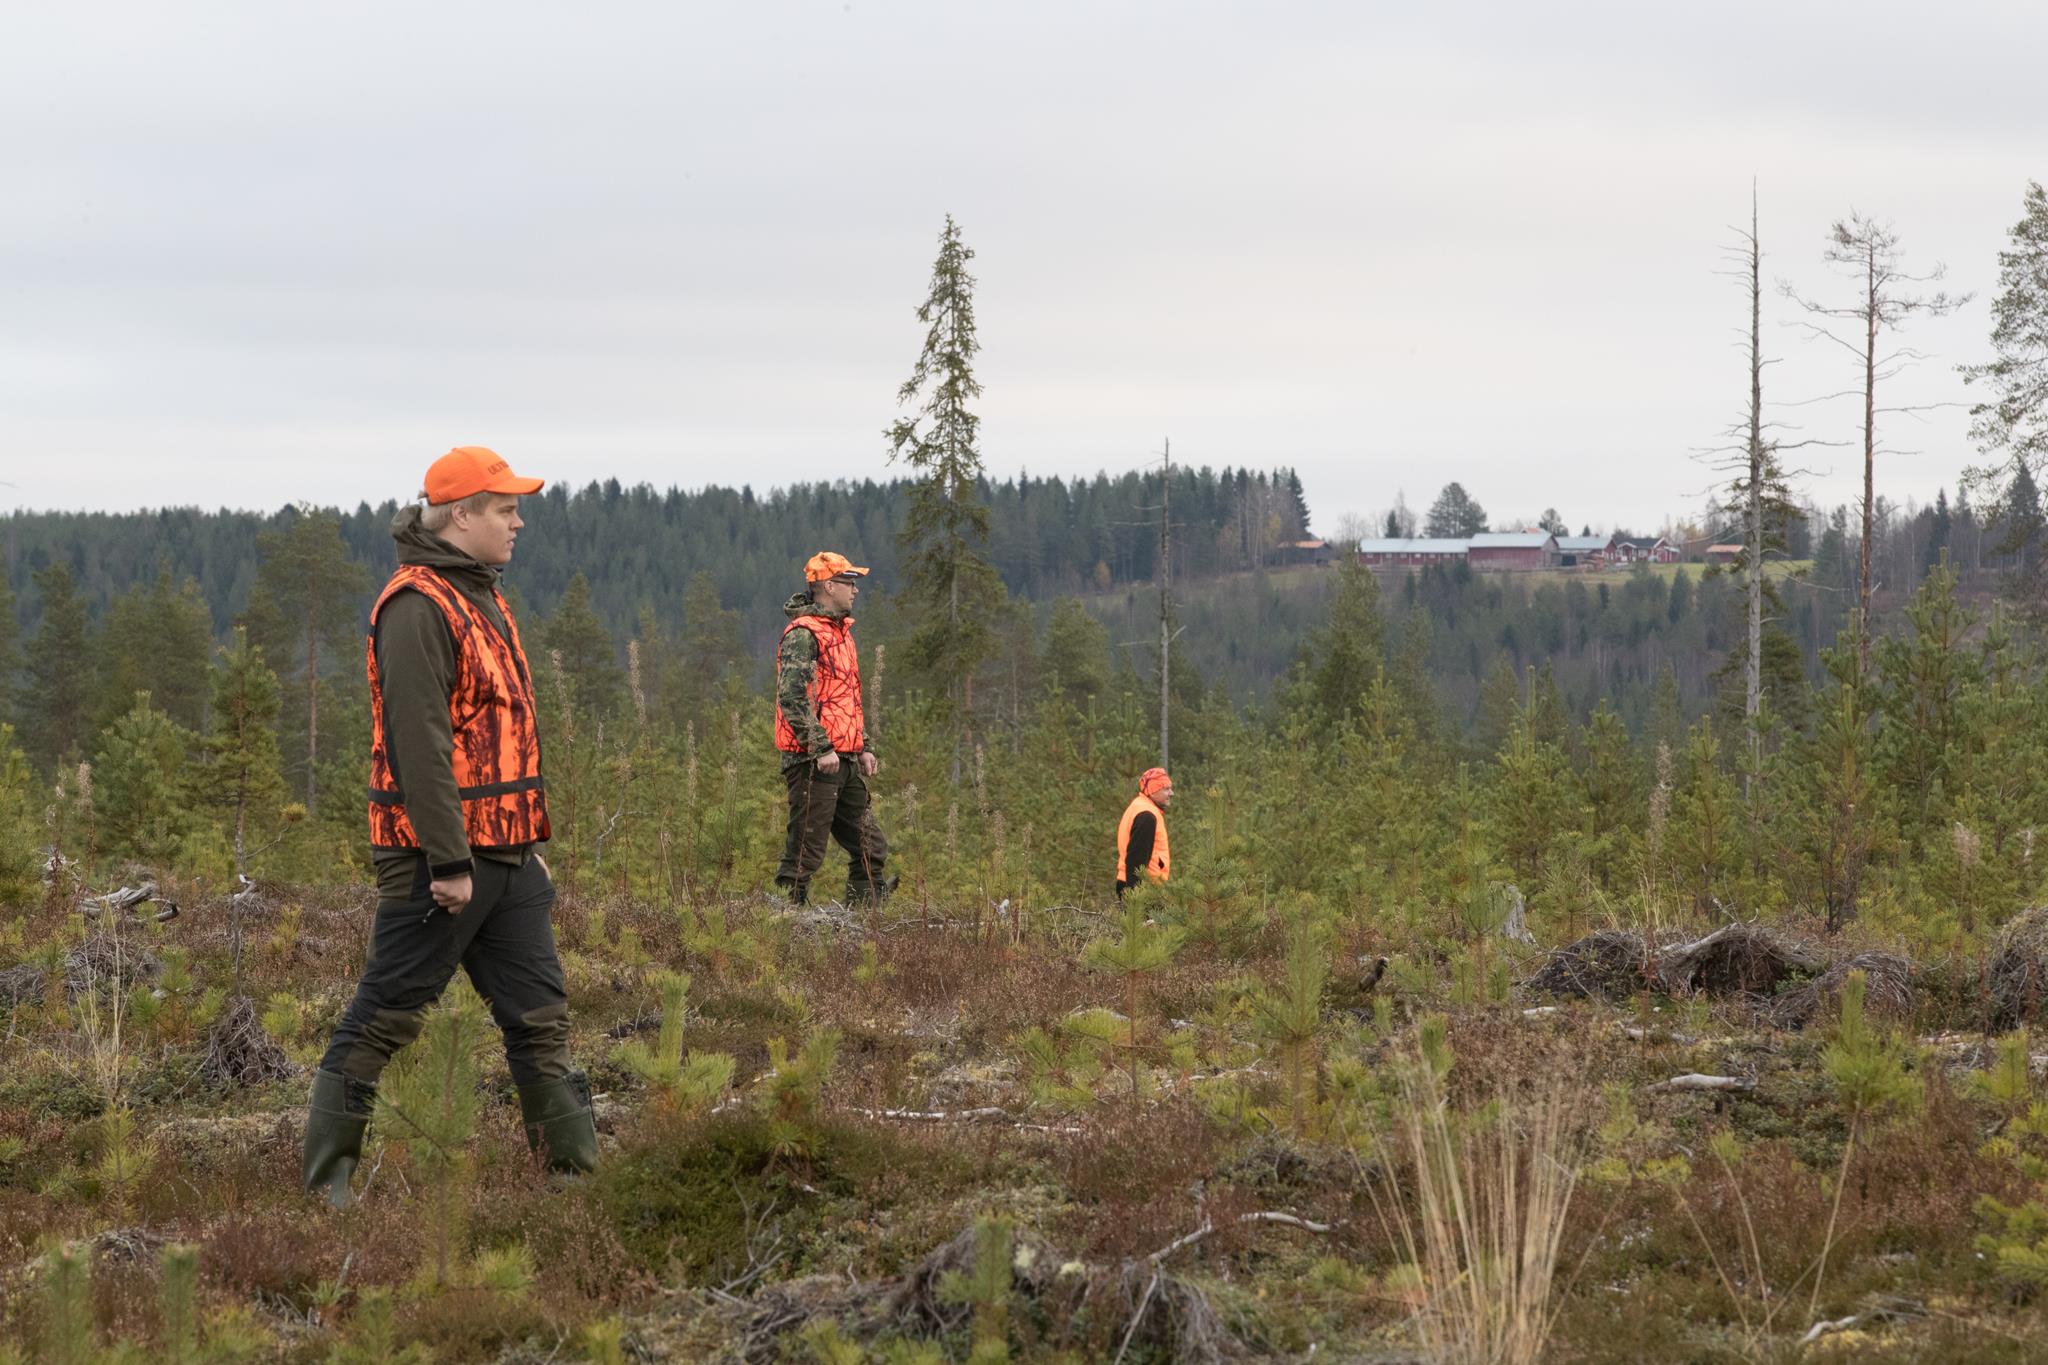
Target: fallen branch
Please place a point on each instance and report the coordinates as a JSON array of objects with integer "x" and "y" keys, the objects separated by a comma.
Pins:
[
  {"x": 1651, "y": 1035},
  {"x": 1262, "y": 1216},
  {"x": 1825, "y": 1326},
  {"x": 987, "y": 1114},
  {"x": 1695, "y": 1081}
]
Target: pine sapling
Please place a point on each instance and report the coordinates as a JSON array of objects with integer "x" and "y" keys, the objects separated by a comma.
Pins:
[
  {"x": 180, "y": 1300},
  {"x": 1868, "y": 1073},
  {"x": 1141, "y": 949},
  {"x": 685, "y": 1084},
  {"x": 1289, "y": 1014},
  {"x": 373, "y": 1336},
  {"x": 793, "y": 1093},
  {"x": 985, "y": 1288},
  {"x": 67, "y": 1335},
  {"x": 429, "y": 1104}
]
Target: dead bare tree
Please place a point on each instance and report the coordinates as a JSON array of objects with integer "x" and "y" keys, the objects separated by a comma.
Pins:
[
  {"x": 1759, "y": 491},
  {"x": 1165, "y": 587},
  {"x": 1868, "y": 252}
]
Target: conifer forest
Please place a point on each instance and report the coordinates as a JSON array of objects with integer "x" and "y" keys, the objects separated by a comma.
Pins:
[{"x": 1590, "y": 964}]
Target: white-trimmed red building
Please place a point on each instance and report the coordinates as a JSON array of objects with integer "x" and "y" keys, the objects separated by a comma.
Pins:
[
  {"x": 1412, "y": 552},
  {"x": 1643, "y": 550}
]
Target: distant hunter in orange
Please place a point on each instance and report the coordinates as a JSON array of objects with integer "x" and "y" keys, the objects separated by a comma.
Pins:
[
  {"x": 821, "y": 729},
  {"x": 458, "y": 811},
  {"x": 1141, "y": 846}
]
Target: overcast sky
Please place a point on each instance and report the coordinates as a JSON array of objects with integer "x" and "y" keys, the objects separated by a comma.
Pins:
[{"x": 252, "y": 254}]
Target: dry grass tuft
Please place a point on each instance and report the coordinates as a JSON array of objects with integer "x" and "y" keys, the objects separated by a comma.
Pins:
[{"x": 1492, "y": 1190}]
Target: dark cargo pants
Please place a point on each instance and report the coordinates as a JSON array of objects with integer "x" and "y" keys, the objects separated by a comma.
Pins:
[
  {"x": 503, "y": 938},
  {"x": 831, "y": 806}
]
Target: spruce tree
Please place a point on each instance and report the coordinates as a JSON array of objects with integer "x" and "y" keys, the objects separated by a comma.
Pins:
[
  {"x": 157, "y": 637},
  {"x": 306, "y": 612},
  {"x": 1075, "y": 664},
  {"x": 22, "y": 799},
  {"x": 1454, "y": 515},
  {"x": 589, "y": 658},
  {"x": 1840, "y": 804},
  {"x": 10, "y": 651},
  {"x": 1344, "y": 657},
  {"x": 946, "y": 529},
  {"x": 2012, "y": 425},
  {"x": 53, "y": 702},
  {"x": 240, "y": 775},
  {"x": 138, "y": 784},
  {"x": 712, "y": 638}
]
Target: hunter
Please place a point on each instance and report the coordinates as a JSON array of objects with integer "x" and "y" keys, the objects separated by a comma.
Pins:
[
  {"x": 458, "y": 810},
  {"x": 1141, "y": 835},
  {"x": 827, "y": 754}
]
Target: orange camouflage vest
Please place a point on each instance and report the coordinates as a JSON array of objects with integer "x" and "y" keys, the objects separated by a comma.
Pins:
[
  {"x": 497, "y": 736},
  {"x": 834, "y": 690}
]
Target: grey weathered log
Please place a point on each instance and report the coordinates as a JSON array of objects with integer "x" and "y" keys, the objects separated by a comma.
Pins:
[{"x": 1696, "y": 1081}]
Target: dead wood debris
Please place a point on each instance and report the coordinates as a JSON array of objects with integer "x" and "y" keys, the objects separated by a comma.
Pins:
[
  {"x": 239, "y": 1052},
  {"x": 1696, "y": 1081},
  {"x": 100, "y": 964},
  {"x": 1160, "y": 1315},
  {"x": 1742, "y": 960},
  {"x": 1607, "y": 964},
  {"x": 1888, "y": 990},
  {"x": 2017, "y": 980}
]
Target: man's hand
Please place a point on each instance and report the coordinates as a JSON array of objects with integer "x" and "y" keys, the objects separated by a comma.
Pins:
[
  {"x": 828, "y": 762},
  {"x": 451, "y": 893},
  {"x": 869, "y": 764}
]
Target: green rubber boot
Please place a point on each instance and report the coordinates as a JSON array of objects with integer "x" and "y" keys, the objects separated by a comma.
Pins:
[
  {"x": 337, "y": 1117},
  {"x": 560, "y": 1126}
]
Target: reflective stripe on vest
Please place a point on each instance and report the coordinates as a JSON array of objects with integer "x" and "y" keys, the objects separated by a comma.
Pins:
[
  {"x": 1161, "y": 863},
  {"x": 491, "y": 712},
  {"x": 834, "y": 690}
]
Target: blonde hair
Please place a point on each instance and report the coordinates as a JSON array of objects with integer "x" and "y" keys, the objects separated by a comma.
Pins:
[{"x": 435, "y": 516}]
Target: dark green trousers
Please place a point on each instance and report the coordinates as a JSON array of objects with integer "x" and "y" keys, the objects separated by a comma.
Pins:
[
  {"x": 503, "y": 938},
  {"x": 824, "y": 807}
]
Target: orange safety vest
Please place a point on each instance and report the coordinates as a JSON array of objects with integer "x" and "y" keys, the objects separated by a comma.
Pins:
[
  {"x": 497, "y": 736},
  {"x": 834, "y": 690},
  {"x": 1162, "y": 860}
]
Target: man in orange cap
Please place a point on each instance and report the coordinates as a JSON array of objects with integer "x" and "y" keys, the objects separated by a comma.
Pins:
[
  {"x": 1141, "y": 835},
  {"x": 458, "y": 809},
  {"x": 821, "y": 729}
]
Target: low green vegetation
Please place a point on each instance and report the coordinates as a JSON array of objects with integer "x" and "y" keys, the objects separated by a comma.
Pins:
[{"x": 1346, "y": 1085}]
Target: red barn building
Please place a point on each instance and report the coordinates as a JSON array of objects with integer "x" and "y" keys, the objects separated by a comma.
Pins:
[{"x": 1513, "y": 550}]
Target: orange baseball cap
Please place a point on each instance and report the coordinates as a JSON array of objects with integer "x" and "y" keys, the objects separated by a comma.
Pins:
[
  {"x": 827, "y": 564},
  {"x": 468, "y": 470}
]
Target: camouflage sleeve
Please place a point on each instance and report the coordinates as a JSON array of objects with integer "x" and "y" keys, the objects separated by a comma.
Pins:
[{"x": 796, "y": 665}]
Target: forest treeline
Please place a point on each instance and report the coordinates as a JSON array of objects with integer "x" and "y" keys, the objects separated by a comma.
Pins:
[
  {"x": 639, "y": 547},
  {"x": 99, "y": 607},
  {"x": 1910, "y": 790}
]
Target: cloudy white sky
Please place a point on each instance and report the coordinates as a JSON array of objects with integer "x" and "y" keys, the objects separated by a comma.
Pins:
[{"x": 253, "y": 254}]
